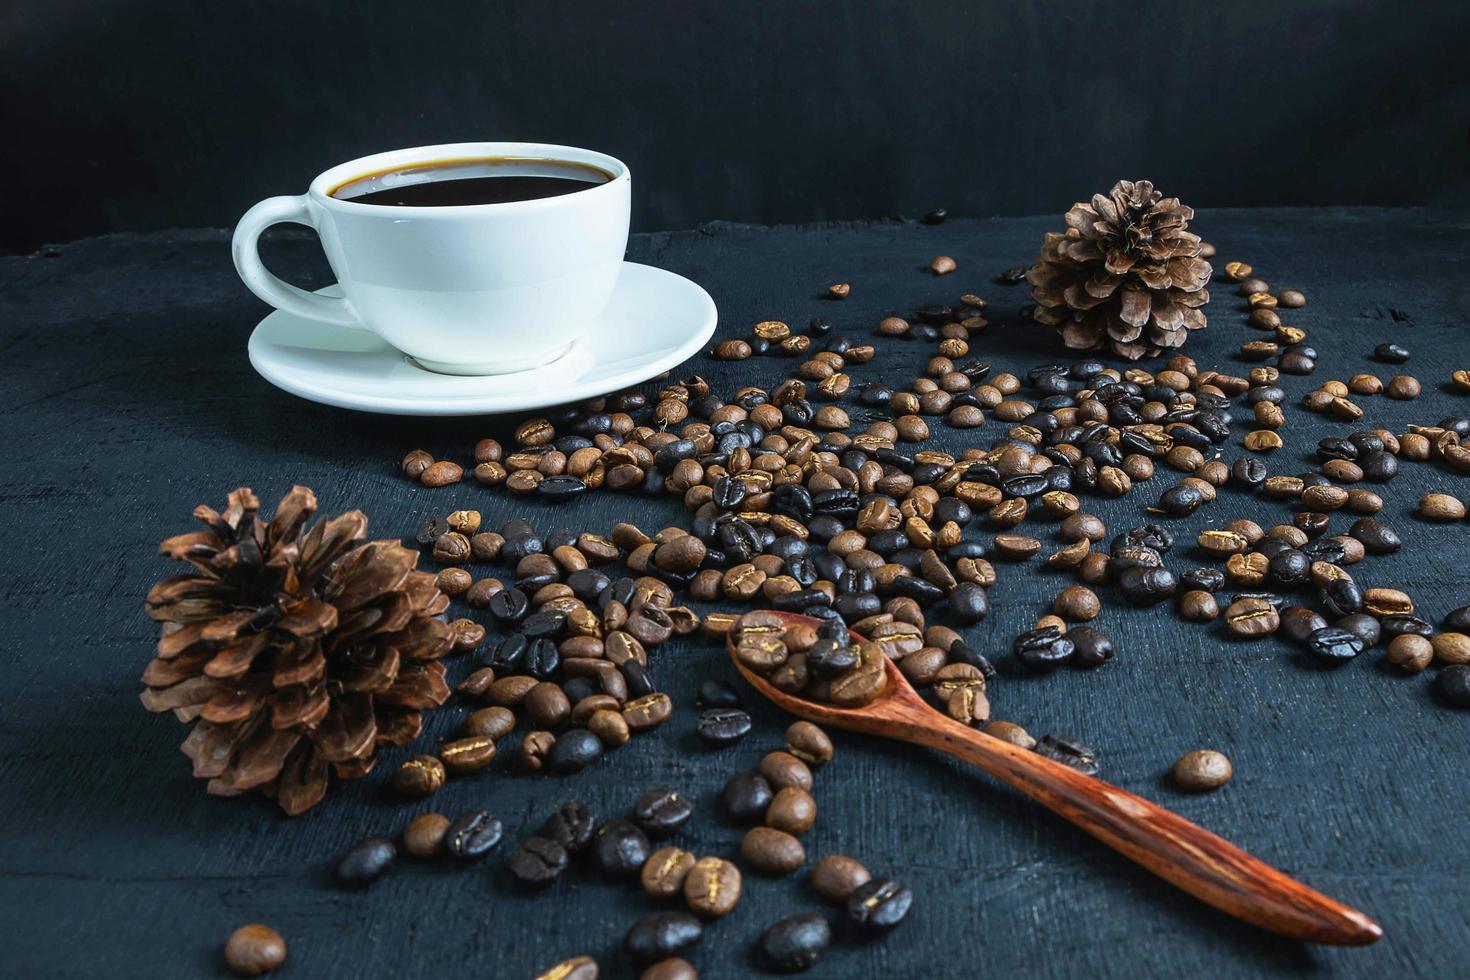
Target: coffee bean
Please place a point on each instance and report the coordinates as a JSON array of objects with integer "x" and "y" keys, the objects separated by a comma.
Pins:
[
  {"x": 1092, "y": 647},
  {"x": 1010, "y": 732},
  {"x": 782, "y": 769},
  {"x": 1043, "y": 649},
  {"x": 809, "y": 743},
  {"x": 1069, "y": 752},
  {"x": 834, "y": 877},
  {"x": 1292, "y": 298},
  {"x": 718, "y": 694},
  {"x": 576, "y": 968},
  {"x": 648, "y": 711},
  {"x": 537, "y": 863},
  {"x": 722, "y": 726},
  {"x": 662, "y": 811},
  {"x": 660, "y": 935},
  {"x": 674, "y": 968},
  {"x": 570, "y": 825},
  {"x": 368, "y": 860},
  {"x": 1012, "y": 276},
  {"x": 1451, "y": 648},
  {"x": 1441, "y": 507},
  {"x": 472, "y": 835},
  {"x": 467, "y": 755},
  {"x": 969, "y": 602},
  {"x": 771, "y": 851},
  {"x": 254, "y": 949},
  {"x": 1077, "y": 603},
  {"x": 712, "y": 887},
  {"x": 731, "y": 350},
  {"x": 1391, "y": 353},
  {"x": 746, "y": 796},
  {"x": 1452, "y": 685},
  {"x": 619, "y": 848},
  {"x": 793, "y": 810},
  {"x": 424, "y": 835},
  {"x": 574, "y": 750},
  {"x": 1402, "y": 387},
  {"x": 1201, "y": 770},
  {"x": 1251, "y": 617},
  {"x": 609, "y": 725},
  {"x": 441, "y": 474},
  {"x": 879, "y": 905},
  {"x": 419, "y": 777},
  {"x": 1333, "y": 645},
  {"x": 942, "y": 265},
  {"x": 1198, "y": 606},
  {"x": 1147, "y": 586},
  {"x": 1410, "y": 653},
  {"x": 1377, "y": 537},
  {"x": 935, "y": 217},
  {"x": 795, "y": 943},
  {"x": 838, "y": 290},
  {"x": 664, "y": 872}
]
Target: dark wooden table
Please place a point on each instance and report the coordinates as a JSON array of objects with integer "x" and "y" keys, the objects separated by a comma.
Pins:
[{"x": 126, "y": 399}]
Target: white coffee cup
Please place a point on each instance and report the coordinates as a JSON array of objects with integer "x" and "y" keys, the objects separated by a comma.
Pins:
[{"x": 463, "y": 289}]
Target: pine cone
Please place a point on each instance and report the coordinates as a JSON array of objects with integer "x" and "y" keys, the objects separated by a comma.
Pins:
[
  {"x": 1125, "y": 273},
  {"x": 296, "y": 652}
]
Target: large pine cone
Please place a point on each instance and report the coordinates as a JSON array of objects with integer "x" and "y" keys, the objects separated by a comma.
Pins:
[
  {"x": 297, "y": 653},
  {"x": 1125, "y": 273}
]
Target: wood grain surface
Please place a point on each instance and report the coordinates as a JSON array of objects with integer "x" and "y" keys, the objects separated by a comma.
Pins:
[{"x": 126, "y": 399}]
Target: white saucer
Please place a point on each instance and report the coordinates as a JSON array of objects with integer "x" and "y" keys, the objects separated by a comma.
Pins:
[{"x": 654, "y": 321}]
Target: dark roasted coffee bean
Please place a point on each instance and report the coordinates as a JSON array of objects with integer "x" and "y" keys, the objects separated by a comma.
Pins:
[
  {"x": 537, "y": 862},
  {"x": 718, "y": 694},
  {"x": 726, "y": 726},
  {"x": 1299, "y": 623},
  {"x": 1180, "y": 501},
  {"x": 509, "y": 605},
  {"x": 1452, "y": 685},
  {"x": 879, "y": 905},
  {"x": 746, "y": 796},
  {"x": 1391, "y": 353},
  {"x": 543, "y": 623},
  {"x": 1069, "y": 752},
  {"x": 367, "y": 862},
  {"x": 619, "y": 848},
  {"x": 1404, "y": 625},
  {"x": 1340, "y": 597},
  {"x": 1290, "y": 568},
  {"x": 961, "y": 652},
  {"x": 1146, "y": 586},
  {"x": 570, "y": 825},
  {"x": 827, "y": 659},
  {"x": 1248, "y": 472},
  {"x": 561, "y": 488},
  {"x": 575, "y": 750},
  {"x": 471, "y": 835},
  {"x": 1092, "y": 646},
  {"x": 662, "y": 811},
  {"x": 638, "y": 679},
  {"x": 1043, "y": 649},
  {"x": 1364, "y": 626},
  {"x": 1203, "y": 579},
  {"x": 1333, "y": 645},
  {"x": 1377, "y": 537},
  {"x": 969, "y": 602},
  {"x": 1458, "y": 620},
  {"x": 795, "y": 943},
  {"x": 661, "y": 935}
]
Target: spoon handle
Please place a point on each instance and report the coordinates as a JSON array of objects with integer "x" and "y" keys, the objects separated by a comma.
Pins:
[{"x": 1208, "y": 867}]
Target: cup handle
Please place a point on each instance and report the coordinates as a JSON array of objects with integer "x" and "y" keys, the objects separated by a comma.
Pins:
[{"x": 245, "y": 247}]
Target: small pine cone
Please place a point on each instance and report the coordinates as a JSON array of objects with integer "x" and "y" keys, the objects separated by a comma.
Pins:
[
  {"x": 1126, "y": 274},
  {"x": 296, "y": 653}
]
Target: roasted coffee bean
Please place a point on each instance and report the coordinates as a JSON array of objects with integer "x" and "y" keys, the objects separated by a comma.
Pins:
[
  {"x": 1333, "y": 645},
  {"x": 827, "y": 659},
  {"x": 574, "y": 750},
  {"x": 1069, "y": 752},
  {"x": 782, "y": 769},
  {"x": 1251, "y": 617},
  {"x": 1043, "y": 649},
  {"x": 712, "y": 887},
  {"x": 1299, "y": 622},
  {"x": 368, "y": 860},
  {"x": 419, "y": 777},
  {"x": 1452, "y": 685},
  {"x": 1092, "y": 647},
  {"x": 1197, "y": 606},
  {"x": 619, "y": 848},
  {"x": 1077, "y": 603},
  {"x": 771, "y": 851},
  {"x": 969, "y": 602},
  {"x": 576, "y": 968},
  {"x": 509, "y": 605},
  {"x": 1201, "y": 770},
  {"x": 1391, "y": 353},
  {"x": 796, "y": 942},
  {"x": 424, "y": 835},
  {"x": 746, "y": 796},
  {"x": 793, "y": 810},
  {"x": 1410, "y": 653},
  {"x": 835, "y": 877},
  {"x": 664, "y": 872},
  {"x": 718, "y": 694},
  {"x": 661, "y": 935},
  {"x": 879, "y": 905},
  {"x": 723, "y": 726},
  {"x": 1377, "y": 537},
  {"x": 472, "y": 835},
  {"x": 1441, "y": 507},
  {"x": 571, "y": 825},
  {"x": 809, "y": 743},
  {"x": 537, "y": 862},
  {"x": 674, "y": 968},
  {"x": 662, "y": 811},
  {"x": 1363, "y": 626},
  {"x": 647, "y": 712},
  {"x": 255, "y": 949},
  {"x": 1146, "y": 586}
]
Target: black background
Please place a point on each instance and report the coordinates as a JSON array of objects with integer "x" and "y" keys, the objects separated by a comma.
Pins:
[{"x": 144, "y": 114}]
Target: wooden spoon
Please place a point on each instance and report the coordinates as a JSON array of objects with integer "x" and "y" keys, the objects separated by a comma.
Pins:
[{"x": 1190, "y": 857}]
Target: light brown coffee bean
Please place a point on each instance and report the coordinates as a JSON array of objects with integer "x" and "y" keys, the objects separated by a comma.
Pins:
[
  {"x": 1077, "y": 603},
  {"x": 494, "y": 722},
  {"x": 1441, "y": 507},
  {"x": 835, "y": 876},
  {"x": 441, "y": 474},
  {"x": 1410, "y": 653},
  {"x": 664, "y": 872},
  {"x": 771, "y": 851},
  {"x": 576, "y": 968},
  {"x": 809, "y": 743},
  {"x": 1403, "y": 387},
  {"x": 1451, "y": 648},
  {"x": 783, "y": 769},
  {"x": 1198, "y": 606},
  {"x": 424, "y": 835},
  {"x": 1251, "y": 617},
  {"x": 1201, "y": 770},
  {"x": 1010, "y": 732},
  {"x": 942, "y": 265},
  {"x": 467, "y": 755},
  {"x": 712, "y": 887},
  {"x": 610, "y": 727},
  {"x": 793, "y": 810},
  {"x": 254, "y": 949},
  {"x": 731, "y": 350},
  {"x": 648, "y": 712}
]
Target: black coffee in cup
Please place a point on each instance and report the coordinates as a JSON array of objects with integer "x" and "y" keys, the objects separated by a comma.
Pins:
[{"x": 490, "y": 180}]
